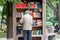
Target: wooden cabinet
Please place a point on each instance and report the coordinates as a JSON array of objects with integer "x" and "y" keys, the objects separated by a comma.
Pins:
[
  {"x": 37, "y": 13},
  {"x": 39, "y": 18}
]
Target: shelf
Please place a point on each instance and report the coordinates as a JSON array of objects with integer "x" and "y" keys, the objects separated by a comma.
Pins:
[
  {"x": 37, "y": 17},
  {"x": 18, "y": 18},
  {"x": 33, "y": 18},
  {"x": 34, "y": 28},
  {"x": 35, "y": 8},
  {"x": 23, "y": 9},
  {"x": 37, "y": 28},
  {"x": 28, "y": 8},
  {"x": 33, "y": 0},
  {"x": 21, "y": 35},
  {"x": 51, "y": 34},
  {"x": 20, "y": 26}
]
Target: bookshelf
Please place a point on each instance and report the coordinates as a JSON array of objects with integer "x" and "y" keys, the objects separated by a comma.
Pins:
[
  {"x": 36, "y": 7},
  {"x": 39, "y": 20}
]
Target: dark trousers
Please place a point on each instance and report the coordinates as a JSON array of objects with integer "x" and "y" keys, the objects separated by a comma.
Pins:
[{"x": 27, "y": 34}]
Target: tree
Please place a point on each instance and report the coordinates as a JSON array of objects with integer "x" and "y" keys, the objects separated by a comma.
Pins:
[
  {"x": 2, "y": 2},
  {"x": 5, "y": 9},
  {"x": 50, "y": 16},
  {"x": 53, "y": 4}
]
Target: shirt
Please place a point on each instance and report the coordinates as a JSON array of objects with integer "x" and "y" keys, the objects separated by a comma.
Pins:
[{"x": 27, "y": 22}]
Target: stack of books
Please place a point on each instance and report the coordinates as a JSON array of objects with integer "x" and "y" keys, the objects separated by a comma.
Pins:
[
  {"x": 20, "y": 14},
  {"x": 22, "y": 5},
  {"x": 39, "y": 22},
  {"x": 36, "y": 14},
  {"x": 37, "y": 32},
  {"x": 28, "y": 5}
]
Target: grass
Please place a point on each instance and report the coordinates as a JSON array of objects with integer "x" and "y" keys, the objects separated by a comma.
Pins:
[{"x": 2, "y": 34}]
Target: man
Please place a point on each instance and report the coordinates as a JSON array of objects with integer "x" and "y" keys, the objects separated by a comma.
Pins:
[{"x": 27, "y": 25}]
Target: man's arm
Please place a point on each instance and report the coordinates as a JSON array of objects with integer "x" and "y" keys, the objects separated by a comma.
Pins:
[
  {"x": 21, "y": 21},
  {"x": 32, "y": 20}
]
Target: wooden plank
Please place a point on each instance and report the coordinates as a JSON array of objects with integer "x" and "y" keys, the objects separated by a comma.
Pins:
[
  {"x": 51, "y": 34},
  {"x": 34, "y": 28},
  {"x": 37, "y": 28},
  {"x": 21, "y": 35},
  {"x": 14, "y": 23},
  {"x": 44, "y": 19}
]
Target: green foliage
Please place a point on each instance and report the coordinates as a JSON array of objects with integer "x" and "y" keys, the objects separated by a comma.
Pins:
[
  {"x": 0, "y": 16},
  {"x": 2, "y": 34},
  {"x": 2, "y": 2},
  {"x": 0, "y": 12},
  {"x": 48, "y": 24},
  {"x": 50, "y": 16},
  {"x": 54, "y": 2}
]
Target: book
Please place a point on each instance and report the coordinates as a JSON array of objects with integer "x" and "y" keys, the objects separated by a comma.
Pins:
[
  {"x": 25, "y": 5},
  {"x": 19, "y": 5},
  {"x": 29, "y": 5},
  {"x": 34, "y": 14},
  {"x": 39, "y": 23},
  {"x": 38, "y": 5},
  {"x": 37, "y": 32},
  {"x": 34, "y": 23},
  {"x": 18, "y": 14},
  {"x": 32, "y": 5}
]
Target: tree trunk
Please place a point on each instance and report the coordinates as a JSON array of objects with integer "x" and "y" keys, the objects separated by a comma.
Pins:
[{"x": 10, "y": 20}]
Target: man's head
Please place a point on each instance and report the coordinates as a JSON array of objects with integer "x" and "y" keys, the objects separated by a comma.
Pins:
[{"x": 28, "y": 12}]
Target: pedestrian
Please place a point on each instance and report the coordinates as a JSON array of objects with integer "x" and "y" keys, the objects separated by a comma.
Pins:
[{"x": 27, "y": 25}]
